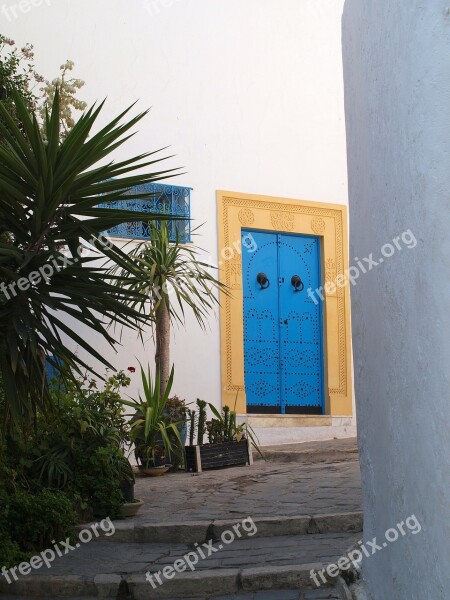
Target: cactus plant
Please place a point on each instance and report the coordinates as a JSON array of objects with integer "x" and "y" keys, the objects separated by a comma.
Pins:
[
  {"x": 192, "y": 421},
  {"x": 201, "y": 421}
]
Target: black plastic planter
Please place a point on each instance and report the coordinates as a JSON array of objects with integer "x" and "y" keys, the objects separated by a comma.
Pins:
[
  {"x": 127, "y": 489},
  {"x": 216, "y": 456}
]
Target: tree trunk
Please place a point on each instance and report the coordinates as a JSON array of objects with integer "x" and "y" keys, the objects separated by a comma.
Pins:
[{"x": 162, "y": 355}]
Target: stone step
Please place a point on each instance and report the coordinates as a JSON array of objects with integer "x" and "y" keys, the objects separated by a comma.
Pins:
[
  {"x": 189, "y": 532},
  {"x": 278, "y": 583},
  {"x": 304, "y": 456},
  {"x": 329, "y": 593},
  {"x": 165, "y": 571}
]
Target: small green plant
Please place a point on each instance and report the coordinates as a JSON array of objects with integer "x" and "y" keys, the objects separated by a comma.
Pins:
[
  {"x": 224, "y": 428},
  {"x": 151, "y": 428},
  {"x": 176, "y": 410},
  {"x": 215, "y": 432}
]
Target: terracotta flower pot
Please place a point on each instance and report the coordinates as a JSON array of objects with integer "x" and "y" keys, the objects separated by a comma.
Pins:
[
  {"x": 154, "y": 471},
  {"x": 130, "y": 509}
]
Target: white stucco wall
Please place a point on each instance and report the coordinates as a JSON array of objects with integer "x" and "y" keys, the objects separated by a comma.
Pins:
[
  {"x": 397, "y": 89},
  {"x": 249, "y": 95}
]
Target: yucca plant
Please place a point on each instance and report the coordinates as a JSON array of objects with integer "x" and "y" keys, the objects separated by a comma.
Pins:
[
  {"x": 171, "y": 280},
  {"x": 49, "y": 196},
  {"x": 151, "y": 429}
]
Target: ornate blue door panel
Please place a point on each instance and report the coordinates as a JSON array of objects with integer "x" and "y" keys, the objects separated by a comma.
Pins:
[
  {"x": 261, "y": 327},
  {"x": 301, "y": 340},
  {"x": 283, "y": 353}
]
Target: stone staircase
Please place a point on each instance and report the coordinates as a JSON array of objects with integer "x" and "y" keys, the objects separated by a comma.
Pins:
[
  {"x": 201, "y": 560},
  {"x": 305, "y": 516}
]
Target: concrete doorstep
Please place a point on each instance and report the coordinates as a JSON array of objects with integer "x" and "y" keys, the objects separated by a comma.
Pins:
[{"x": 309, "y": 453}]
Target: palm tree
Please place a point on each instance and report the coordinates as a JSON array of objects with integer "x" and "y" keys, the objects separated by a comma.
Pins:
[
  {"x": 49, "y": 196},
  {"x": 170, "y": 278}
]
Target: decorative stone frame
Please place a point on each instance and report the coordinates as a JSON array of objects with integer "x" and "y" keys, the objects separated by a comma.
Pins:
[{"x": 329, "y": 221}]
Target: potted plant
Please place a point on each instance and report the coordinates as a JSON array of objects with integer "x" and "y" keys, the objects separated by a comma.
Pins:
[
  {"x": 131, "y": 505},
  {"x": 229, "y": 443},
  {"x": 176, "y": 411},
  {"x": 152, "y": 432},
  {"x": 127, "y": 480}
]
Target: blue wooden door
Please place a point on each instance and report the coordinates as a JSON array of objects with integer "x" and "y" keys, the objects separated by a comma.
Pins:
[
  {"x": 283, "y": 348},
  {"x": 261, "y": 324},
  {"x": 301, "y": 338}
]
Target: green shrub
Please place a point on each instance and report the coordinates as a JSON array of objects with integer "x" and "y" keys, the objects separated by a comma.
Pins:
[
  {"x": 37, "y": 519},
  {"x": 97, "y": 481},
  {"x": 79, "y": 449},
  {"x": 30, "y": 522},
  {"x": 10, "y": 552},
  {"x": 70, "y": 464}
]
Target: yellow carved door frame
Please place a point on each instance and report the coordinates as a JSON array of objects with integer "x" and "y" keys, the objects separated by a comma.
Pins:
[{"x": 329, "y": 221}]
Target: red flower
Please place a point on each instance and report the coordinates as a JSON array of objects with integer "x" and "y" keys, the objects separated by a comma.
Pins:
[{"x": 132, "y": 369}]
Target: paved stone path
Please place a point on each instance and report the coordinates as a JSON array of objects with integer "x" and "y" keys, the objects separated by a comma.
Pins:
[{"x": 264, "y": 489}]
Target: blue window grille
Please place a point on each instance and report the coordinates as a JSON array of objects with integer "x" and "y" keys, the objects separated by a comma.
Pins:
[{"x": 163, "y": 199}]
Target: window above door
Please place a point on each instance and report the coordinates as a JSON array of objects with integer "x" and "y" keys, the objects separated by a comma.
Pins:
[{"x": 163, "y": 199}]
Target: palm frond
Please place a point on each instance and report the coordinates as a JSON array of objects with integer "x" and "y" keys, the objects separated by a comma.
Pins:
[
  {"x": 171, "y": 273},
  {"x": 49, "y": 196}
]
